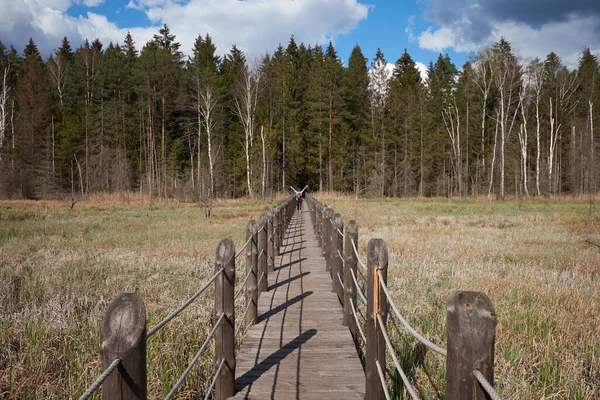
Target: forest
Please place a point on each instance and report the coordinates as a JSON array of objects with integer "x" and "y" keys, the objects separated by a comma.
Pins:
[{"x": 100, "y": 119}]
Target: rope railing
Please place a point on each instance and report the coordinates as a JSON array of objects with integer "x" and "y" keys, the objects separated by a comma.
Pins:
[
  {"x": 392, "y": 351},
  {"x": 100, "y": 380},
  {"x": 170, "y": 317},
  {"x": 358, "y": 289},
  {"x": 470, "y": 316},
  {"x": 241, "y": 289},
  {"x": 195, "y": 359},
  {"x": 243, "y": 247},
  {"x": 413, "y": 332},
  {"x": 382, "y": 381},
  {"x": 126, "y": 346},
  {"x": 358, "y": 325},
  {"x": 362, "y": 264},
  {"x": 486, "y": 385},
  {"x": 241, "y": 324},
  {"x": 214, "y": 381}
]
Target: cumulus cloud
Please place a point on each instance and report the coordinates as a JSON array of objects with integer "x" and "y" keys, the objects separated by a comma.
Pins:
[
  {"x": 534, "y": 27},
  {"x": 256, "y": 26}
]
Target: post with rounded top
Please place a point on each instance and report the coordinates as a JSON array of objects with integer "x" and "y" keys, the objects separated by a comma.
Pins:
[
  {"x": 224, "y": 304},
  {"x": 329, "y": 240},
  {"x": 337, "y": 249},
  {"x": 350, "y": 264},
  {"x": 262, "y": 255},
  {"x": 270, "y": 243},
  {"x": 252, "y": 269},
  {"x": 471, "y": 326},
  {"x": 376, "y": 305},
  {"x": 123, "y": 335}
]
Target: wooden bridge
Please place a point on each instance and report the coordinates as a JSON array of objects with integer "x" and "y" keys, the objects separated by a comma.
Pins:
[
  {"x": 299, "y": 348},
  {"x": 300, "y": 341}
]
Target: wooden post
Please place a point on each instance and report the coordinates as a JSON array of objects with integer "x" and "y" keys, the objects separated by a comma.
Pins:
[
  {"x": 224, "y": 303},
  {"x": 318, "y": 219},
  {"x": 270, "y": 244},
  {"x": 376, "y": 304},
  {"x": 262, "y": 255},
  {"x": 276, "y": 229},
  {"x": 252, "y": 269},
  {"x": 329, "y": 239},
  {"x": 471, "y": 327},
  {"x": 350, "y": 264},
  {"x": 337, "y": 249},
  {"x": 123, "y": 335}
]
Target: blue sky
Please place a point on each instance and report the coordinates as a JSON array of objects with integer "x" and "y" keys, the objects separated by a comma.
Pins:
[{"x": 424, "y": 27}]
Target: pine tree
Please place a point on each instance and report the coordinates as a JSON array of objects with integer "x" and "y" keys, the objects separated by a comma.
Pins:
[{"x": 33, "y": 99}]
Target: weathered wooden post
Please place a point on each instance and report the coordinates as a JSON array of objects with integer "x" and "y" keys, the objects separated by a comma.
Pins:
[
  {"x": 270, "y": 244},
  {"x": 318, "y": 219},
  {"x": 123, "y": 335},
  {"x": 337, "y": 262},
  {"x": 224, "y": 304},
  {"x": 252, "y": 269},
  {"x": 329, "y": 239},
  {"x": 276, "y": 229},
  {"x": 376, "y": 305},
  {"x": 471, "y": 327},
  {"x": 350, "y": 264},
  {"x": 262, "y": 255}
]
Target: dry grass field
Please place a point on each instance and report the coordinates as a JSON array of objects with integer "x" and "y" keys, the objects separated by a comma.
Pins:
[{"x": 535, "y": 259}]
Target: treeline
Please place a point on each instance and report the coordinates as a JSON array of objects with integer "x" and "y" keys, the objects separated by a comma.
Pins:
[{"x": 112, "y": 119}]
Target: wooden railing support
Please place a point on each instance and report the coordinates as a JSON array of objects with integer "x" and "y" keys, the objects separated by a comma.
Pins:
[
  {"x": 350, "y": 264},
  {"x": 224, "y": 303},
  {"x": 337, "y": 251},
  {"x": 252, "y": 269},
  {"x": 262, "y": 255},
  {"x": 328, "y": 239},
  {"x": 270, "y": 243},
  {"x": 471, "y": 327},
  {"x": 376, "y": 305},
  {"x": 123, "y": 335}
]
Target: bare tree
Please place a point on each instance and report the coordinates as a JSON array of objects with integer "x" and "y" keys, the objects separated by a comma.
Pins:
[
  {"x": 4, "y": 97},
  {"x": 535, "y": 85},
  {"x": 246, "y": 98},
  {"x": 58, "y": 67},
  {"x": 484, "y": 82},
  {"x": 451, "y": 116}
]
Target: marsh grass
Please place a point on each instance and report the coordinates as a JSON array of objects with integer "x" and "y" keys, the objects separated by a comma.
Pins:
[
  {"x": 532, "y": 258},
  {"x": 60, "y": 268}
]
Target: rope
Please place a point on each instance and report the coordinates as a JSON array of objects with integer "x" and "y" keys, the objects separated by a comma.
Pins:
[
  {"x": 195, "y": 359},
  {"x": 243, "y": 247},
  {"x": 341, "y": 283},
  {"x": 416, "y": 334},
  {"x": 212, "y": 385},
  {"x": 382, "y": 380},
  {"x": 243, "y": 286},
  {"x": 238, "y": 329},
  {"x": 260, "y": 280},
  {"x": 96, "y": 385},
  {"x": 358, "y": 289},
  {"x": 357, "y": 256},
  {"x": 362, "y": 334},
  {"x": 412, "y": 392},
  {"x": 340, "y": 232},
  {"x": 184, "y": 306},
  {"x": 341, "y": 258},
  {"x": 261, "y": 253},
  {"x": 486, "y": 385}
]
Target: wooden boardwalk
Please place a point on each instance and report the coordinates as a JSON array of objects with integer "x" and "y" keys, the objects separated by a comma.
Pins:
[{"x": 299, "y": 348}]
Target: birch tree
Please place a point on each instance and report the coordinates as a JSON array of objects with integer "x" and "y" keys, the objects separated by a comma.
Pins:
[
  {"x": 245, "y": 100},
  {"x": 4, "y": 99}
]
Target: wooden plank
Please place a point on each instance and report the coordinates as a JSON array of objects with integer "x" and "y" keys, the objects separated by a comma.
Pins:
[{"x": 299, "y": 348}]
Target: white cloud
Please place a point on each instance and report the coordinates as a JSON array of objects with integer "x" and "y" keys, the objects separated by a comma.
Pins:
[
  {"x": 92, "y": 3},
  {"x": 422, "y": 70},
  {"x": 255, "y": 26},
  {"x": 567, "y": 38}
]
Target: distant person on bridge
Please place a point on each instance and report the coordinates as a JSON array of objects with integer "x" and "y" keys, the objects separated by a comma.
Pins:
[{"x": 299, "y": 197}]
